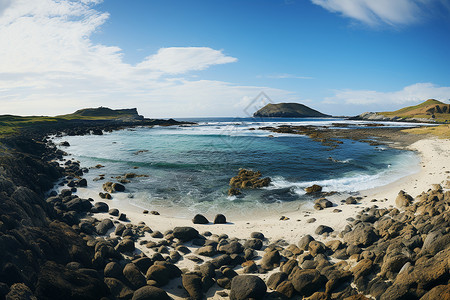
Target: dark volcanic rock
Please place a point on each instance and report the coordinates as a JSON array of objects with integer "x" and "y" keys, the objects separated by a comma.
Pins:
[
  {"x": 220, "y": 219},
  {"x": 247, "y": 287},
  {"x": 57, "y": 282},
  {"x": 160, "y": 274},
  {"x": 134, "y": 276},
  {"x": 118, "y": 289},
  {"x": 150, "y": 293},
  {"x": 306, "y": 282},
  {"x": 185, "y": 234},
  {"x": 103, "y": 227},
  {"x": 200, "y": 219},
  {"x": 193, "y": 285}
]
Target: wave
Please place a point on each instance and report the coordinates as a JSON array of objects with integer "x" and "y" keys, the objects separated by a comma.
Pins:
[{"x": 407, "y": 164}]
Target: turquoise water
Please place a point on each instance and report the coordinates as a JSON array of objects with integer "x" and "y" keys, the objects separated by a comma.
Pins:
[{"x": 189, "y": 167}]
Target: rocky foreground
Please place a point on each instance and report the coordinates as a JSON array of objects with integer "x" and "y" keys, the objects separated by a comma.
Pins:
[{"x": 65, "y": 247}]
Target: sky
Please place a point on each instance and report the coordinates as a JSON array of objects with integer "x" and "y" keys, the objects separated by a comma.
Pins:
[{"x": 212, "y": 58}]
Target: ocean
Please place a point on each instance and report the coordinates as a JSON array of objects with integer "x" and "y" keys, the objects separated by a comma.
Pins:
[{"x": 188, "y": 168}]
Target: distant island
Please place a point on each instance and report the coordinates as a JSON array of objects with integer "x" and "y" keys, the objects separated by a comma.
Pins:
[
  {"x": 429, "y": 111},
  {"x": 288, "y": 110}
]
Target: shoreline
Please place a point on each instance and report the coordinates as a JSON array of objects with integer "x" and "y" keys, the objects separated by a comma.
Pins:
[{"x": 430, "y": 151}]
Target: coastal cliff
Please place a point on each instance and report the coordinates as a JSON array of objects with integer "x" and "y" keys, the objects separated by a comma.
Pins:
[{"x": 288, "y": 110}]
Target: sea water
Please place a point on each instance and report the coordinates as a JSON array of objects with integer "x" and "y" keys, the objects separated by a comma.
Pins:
[{"x": 189, "y": 166}]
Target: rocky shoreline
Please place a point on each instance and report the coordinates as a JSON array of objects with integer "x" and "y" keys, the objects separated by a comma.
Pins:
[{"x": 65, "y": 247}]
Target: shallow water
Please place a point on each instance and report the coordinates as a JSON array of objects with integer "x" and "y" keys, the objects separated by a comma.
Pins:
[{"x": 189, "y": 167}]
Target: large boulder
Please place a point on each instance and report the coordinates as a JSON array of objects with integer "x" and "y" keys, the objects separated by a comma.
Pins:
[
  {"x": 185, "y": 234},
  {"x": 200, "y": 219},
  {"x": 313, "y": 189},
  {"x": 134, "y": 276},
  {"x": 57, "y": 282},
  {"x": 362, "y": 235},
  {"x": 403, "y": 200},
  {"x": 306, "y": 282},
  {"x": 150, "y": 293},
  {"x": 103, "y": 227},
  {"x": 118, "y": 289},
  {"x": 158, "y": 273},
  {"x": 247, "y": 287},
  {"x": 193, "y": 285}
]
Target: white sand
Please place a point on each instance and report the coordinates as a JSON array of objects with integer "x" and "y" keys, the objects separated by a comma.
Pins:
[{"x": 435, "y": 168}]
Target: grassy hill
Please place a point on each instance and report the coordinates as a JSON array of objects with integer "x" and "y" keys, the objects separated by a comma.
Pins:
[
  {"x": 431, "y": 109},
  {"x": 288, "y": 110},
  {"x": 10, "y": 124}
]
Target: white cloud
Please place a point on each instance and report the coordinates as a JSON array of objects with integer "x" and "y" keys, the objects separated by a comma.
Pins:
[
  {"x": 408, "y": 95},
  {"x": 388, "y": 12},
  {"x": 49, "y": 65},
  {"x": 178, "y": 60}
]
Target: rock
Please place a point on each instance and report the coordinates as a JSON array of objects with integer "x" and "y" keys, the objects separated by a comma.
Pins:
[
  {"x": 323, "y": 229},
  {"x": 403, "y": 200},
  {"x": 200, "y": 219},
  {"x": 438, "y": 292},
  {"x": 275, "y": 279},
  {"x": 126, "y": 245},
  {"x": 103, "y": 227},
  {"x": 206, "y": 251},
  {"x": 134, "y": 276},
  {"x": 426, "y": 273},
  {"x": 363, "y": 268},
  {"x": 114, "y": 212},
  {"x": 304, "y": 242},
  {"x": 232, "y": 248},
  {"x": 362, "y": 235},
  {"x": 118, "y": 289},
  {"x": 286, "y": 288},
  {"x": 247, "y": 287},
  {"x": 311, "y": 220},
  {"x": 288, "y": 266},
  {"x": 323, "y": 203},
  {"x": 220, "y": 219},
  {"x": 306, "y": 282},
  {"x": 113, "y": 187},
  {"x": 160, "y": 274},
  {"x": 113, "y": 270},
  {"x": 257, "y": 235},
  {"x": 57, "y": 282},
  {"x": 150, "y": 293},
  {"x": 221, "y": 260},
  {"x": 435, "y": 242},
  {"x": 270, "y": 260},
  {"x": 123, "y": 217},
  {"x": 193, "y": 285},
  {"x": 350, "y": 200},
  {"x": 313, "y": 189},
  {"x": 101, "y": 206},
  {"x": 316, "y": 247},
  {"x": 185, "y": 234},
  {"x": 255, "y": 244},
  {"x": 234, "y": 192},
  {"x": 224, "y": 283},
  {"x": 79, "y": 205},
  {"x": 20, "y": 291},
  {"x": 247, "y": 179},
  {"x": 120, "y": 229}
]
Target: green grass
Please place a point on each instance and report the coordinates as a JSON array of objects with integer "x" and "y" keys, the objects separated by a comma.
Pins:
[{"x": 10, "y": 124}]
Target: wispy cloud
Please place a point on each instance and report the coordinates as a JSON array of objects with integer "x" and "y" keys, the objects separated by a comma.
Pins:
[
  {"x": 49, "y": 64},
  {"x": 384, "y": 12},
  {"x": 408, "y": 95},
  {"x": 284, "y": 76}
]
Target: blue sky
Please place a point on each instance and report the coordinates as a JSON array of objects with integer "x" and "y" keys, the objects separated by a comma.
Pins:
[{"x": 175, "y": 58}]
